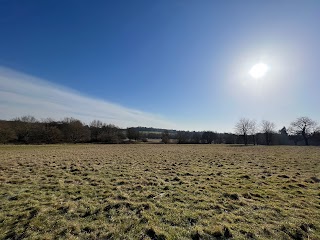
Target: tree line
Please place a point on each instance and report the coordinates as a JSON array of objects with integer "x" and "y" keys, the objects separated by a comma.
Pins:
[
  {"x": 303, "y": 129},
  {"x": 28, "y": 130}
]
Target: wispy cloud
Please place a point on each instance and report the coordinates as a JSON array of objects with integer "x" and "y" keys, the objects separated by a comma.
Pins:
[{"x": 22, "y": 94}]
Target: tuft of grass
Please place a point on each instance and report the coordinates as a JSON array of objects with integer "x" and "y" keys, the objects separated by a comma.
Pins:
[{"x": 145, "y": 191}]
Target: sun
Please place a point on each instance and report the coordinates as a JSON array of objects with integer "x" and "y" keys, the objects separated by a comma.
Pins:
[{"x": 258, "y": 70}]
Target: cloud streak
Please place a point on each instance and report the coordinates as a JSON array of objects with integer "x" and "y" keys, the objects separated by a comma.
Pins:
[{"x": 22, "y": 94}]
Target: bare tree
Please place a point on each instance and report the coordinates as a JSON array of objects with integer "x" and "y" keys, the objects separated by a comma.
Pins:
[
  {"x": 267, "y": 128},
  {"x": 27, "y": 119},
  {"x": 305, "y": 127},
  {"x": 183, "y": 137},
  {"x": 96, "y": 129},
  {"x": 96, "y": 124},
  {"x": 110, "y": 134},
  {"x": 133, "y": 133},
  {"x": 196, "y": 137},
  {"x": 165, "y": 136},
  {"x": 75, "y": 131},
  {"x": 292, "y": 135},
  {"x": 316, "y": 135},
  {"x": 7, "y": 132},
  {"x": 209, "y": 137},
  {"x": 253, "y": 131},
  {"x": 245, "y": 127}
]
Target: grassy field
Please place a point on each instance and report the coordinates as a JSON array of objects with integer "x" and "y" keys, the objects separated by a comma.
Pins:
[{"x": 147, "y": 191}]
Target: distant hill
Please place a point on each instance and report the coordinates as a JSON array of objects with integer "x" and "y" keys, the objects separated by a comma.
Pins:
[{"x": 154, "y": 130}]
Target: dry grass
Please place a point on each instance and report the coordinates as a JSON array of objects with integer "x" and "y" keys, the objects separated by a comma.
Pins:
[{"x": 145, "y": 191}]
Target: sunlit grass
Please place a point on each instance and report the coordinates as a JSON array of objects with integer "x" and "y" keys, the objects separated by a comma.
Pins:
[{"x": 159, "y": 191}]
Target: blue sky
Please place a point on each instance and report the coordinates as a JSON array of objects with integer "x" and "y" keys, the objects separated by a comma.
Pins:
[{"x": 178, "y": 64}]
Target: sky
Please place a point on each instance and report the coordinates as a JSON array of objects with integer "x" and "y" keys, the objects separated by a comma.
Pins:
[{"x": 178, "y": 64}]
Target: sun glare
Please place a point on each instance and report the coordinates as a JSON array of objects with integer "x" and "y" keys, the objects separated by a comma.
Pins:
[{"x": 259, "y": 70}]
